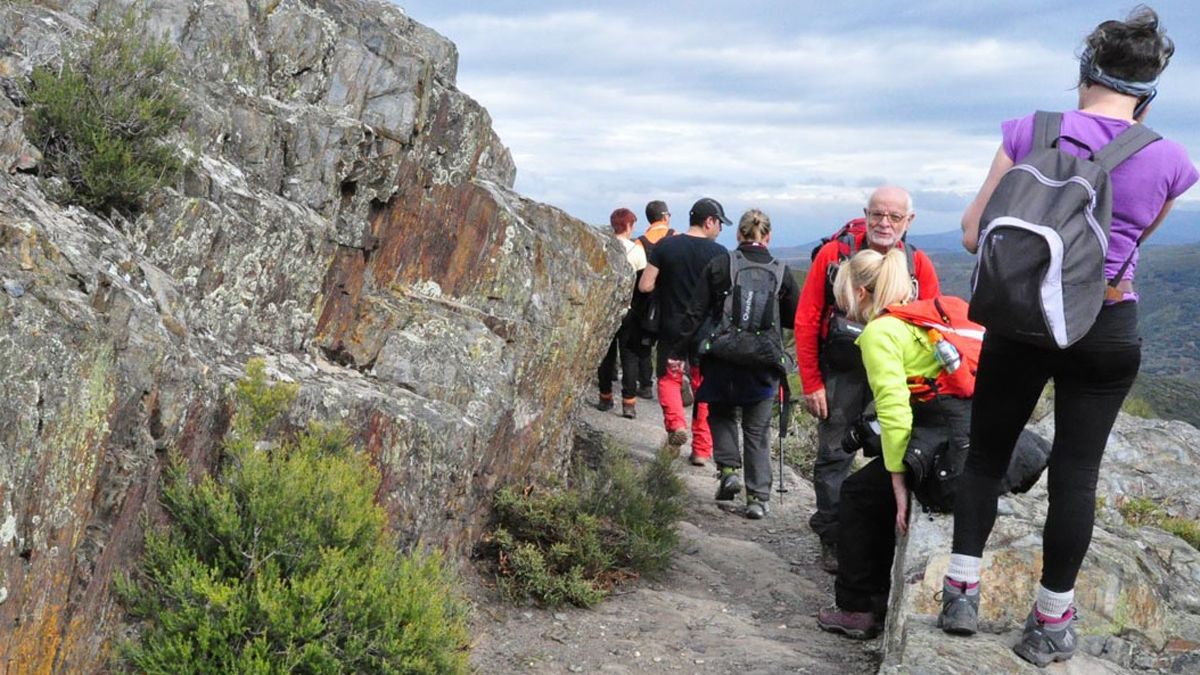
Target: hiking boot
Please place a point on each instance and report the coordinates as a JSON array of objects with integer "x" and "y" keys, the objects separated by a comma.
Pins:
[
  {"x": 757, "y": 509},
  {"x": 829, "y": 560},
  {"x": 729, "y": 484},
  {"x": 606, "y": 403},
  {"x": 1046, "y": 639},
  {"x": 677, "y": 438},
  {"x": 960, "y": 607},
  {"x": 855, "y": 625},
  {"x": 628, "y": 410},
  {"x": 646, "y": 391},
  {"x": 698, "y": 460}
]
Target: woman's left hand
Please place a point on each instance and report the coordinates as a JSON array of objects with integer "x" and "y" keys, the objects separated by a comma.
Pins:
[{"x": 900, "y": 490}]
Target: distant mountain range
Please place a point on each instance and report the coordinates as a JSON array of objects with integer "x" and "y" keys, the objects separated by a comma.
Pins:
[
  {"x": 1168, "y": 282},
  {"x": 1171, "y": 234}
]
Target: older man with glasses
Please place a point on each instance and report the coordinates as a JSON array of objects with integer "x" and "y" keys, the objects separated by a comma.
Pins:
[{"x": 831, "y": 370}]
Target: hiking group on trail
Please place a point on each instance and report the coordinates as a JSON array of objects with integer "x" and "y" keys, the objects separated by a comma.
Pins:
[{"x": 936, "y": 391}]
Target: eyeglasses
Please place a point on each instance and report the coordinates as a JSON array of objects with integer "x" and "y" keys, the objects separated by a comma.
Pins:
[{"x": 880, "y": 216}]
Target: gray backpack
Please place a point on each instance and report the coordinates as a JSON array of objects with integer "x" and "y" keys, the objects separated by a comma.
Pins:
[{"x": 1039, "y": 273}]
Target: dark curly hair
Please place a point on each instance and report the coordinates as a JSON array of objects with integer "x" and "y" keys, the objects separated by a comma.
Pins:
[{"x": 1136, "y": 49}]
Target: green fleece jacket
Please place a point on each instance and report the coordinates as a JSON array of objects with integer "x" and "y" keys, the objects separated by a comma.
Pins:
[{"x": 893, "y": 350}]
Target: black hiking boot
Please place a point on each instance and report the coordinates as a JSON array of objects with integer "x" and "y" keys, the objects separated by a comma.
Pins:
[
  {"x": 729, "y": 484},
  {"x": 757, "y": 509}
]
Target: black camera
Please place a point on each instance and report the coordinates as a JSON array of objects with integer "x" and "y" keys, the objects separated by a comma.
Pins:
[{"x": 864, "y": 434}]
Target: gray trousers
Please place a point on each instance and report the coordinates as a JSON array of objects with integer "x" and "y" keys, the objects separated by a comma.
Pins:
[
  {"x": 756, "y": 432},
  {"x": 847, "y": 395}
]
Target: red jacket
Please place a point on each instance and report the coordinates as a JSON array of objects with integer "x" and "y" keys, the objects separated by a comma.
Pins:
[{"x": 812, "y": 314}]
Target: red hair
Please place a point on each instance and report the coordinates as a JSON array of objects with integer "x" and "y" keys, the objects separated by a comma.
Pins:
[{"x": 622, "y": 219}]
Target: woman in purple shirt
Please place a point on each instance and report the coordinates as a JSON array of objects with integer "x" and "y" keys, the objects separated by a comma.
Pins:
[{"x": 1119, "y": 70}]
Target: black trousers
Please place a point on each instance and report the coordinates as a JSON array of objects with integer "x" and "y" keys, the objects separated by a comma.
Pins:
[
  {"x": 630, "y": 355},
  {"x": 1091, "y": 379},
  {"x": 866, "y": 540}
]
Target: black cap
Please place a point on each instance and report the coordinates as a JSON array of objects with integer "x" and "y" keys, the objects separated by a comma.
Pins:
[{"x": 705, "y": 208}]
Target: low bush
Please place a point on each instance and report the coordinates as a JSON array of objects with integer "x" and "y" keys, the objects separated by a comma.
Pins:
[
  {"x": 283, "y": 563},
  {"x": 1144, "y": 512},
  {"x": 574, "y": 544},
  {"x": 101, "y": 118}
]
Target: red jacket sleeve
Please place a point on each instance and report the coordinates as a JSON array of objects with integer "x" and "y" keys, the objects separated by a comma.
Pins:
[
  {"x": 927, "y": 280},
  {"x": 810, "y": 317}
]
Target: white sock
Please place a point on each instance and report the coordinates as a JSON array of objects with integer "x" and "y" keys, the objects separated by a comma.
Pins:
[
  {"x": 1051, "y": 604},
  {"x": 964, "y": 568}
]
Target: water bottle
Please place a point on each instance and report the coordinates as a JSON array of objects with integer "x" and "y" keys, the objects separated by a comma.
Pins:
[{"x": 945, "y": 353}]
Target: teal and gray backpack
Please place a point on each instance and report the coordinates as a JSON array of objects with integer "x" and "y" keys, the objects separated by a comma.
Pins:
[
  {"x": 1039, "y": 274},
  {"x": 749, "y": 332}
]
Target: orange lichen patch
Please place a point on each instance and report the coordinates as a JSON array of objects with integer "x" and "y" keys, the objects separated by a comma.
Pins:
[{"x": 34, "y": 644}]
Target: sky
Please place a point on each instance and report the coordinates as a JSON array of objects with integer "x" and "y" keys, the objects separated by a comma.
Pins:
[{"x": 799, "y": 108}]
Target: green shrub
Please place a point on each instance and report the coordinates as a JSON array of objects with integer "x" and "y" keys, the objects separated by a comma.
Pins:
[
  {"x": 1145, "y": 512},
  {"x": 101, "y": 118},
  {"x": 283, "y": 563},
  {"x": 1138, "y": 407},
  {"x": 572, "y": 545}
]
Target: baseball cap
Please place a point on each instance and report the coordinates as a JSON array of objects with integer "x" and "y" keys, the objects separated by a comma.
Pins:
[{"x": 708, "y": 207}]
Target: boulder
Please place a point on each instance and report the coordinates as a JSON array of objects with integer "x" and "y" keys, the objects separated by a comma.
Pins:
[
  {"x": 1137, "y": 590},
  {"x": 348, "y": 215}
]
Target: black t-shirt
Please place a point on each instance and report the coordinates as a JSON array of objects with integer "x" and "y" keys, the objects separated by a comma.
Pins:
[{"x": 680, "y": 261}]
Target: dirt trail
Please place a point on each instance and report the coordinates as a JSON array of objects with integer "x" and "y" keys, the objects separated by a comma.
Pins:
[{"x": 740, "y": 597}]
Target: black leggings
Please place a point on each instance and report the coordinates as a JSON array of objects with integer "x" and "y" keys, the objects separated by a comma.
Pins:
[{"x": 1091, "y": 379}]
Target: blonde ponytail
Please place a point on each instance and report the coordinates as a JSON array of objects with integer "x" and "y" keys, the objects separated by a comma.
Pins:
[{"x": 885, "y": 277}]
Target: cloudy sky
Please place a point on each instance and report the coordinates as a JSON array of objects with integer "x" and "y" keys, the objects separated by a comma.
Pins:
[{"x": 795, "y": 107}]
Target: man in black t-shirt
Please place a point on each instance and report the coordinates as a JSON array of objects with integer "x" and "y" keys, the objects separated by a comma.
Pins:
[{"x": 672, "y": 269}]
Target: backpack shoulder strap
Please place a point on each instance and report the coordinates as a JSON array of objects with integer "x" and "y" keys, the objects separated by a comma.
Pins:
[
  {"x": 1047, "y": 126},
  {"x": 643, "y": 242},
  {"x": 1125, "y": 145}
]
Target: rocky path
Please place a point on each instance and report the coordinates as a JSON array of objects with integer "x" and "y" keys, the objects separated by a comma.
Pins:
[{"x": 741, "y": 596}]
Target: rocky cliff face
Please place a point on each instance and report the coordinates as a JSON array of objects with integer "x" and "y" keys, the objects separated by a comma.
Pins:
[{"x": 348, "y": 216}]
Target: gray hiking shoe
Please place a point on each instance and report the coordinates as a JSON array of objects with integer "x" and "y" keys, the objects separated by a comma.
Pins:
[
  {"x": 756, "y": 509},
  {"x": 960, "y": 607},
  {"x": 1044, "y": 642},
  {"x": 729, "y": 485}
]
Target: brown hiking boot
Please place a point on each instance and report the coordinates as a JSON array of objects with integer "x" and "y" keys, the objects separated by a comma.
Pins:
[
  {"x": 606, "y": 403},
  {"x": 629, "y": 409},
  {"x": 677, "y": 438},
  {"x": 854, "y": 625},
  {"x": 698, "y": 460}
]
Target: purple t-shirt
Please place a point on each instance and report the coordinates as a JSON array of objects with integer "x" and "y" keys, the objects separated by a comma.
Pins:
[{"x": 1141, "y": 185}]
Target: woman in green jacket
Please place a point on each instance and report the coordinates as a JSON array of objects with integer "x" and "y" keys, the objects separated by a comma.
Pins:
[{"x": 923, "y": 441}]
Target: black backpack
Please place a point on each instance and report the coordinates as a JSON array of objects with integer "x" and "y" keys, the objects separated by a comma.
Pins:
[
  {"x": 644, "y": 307},
  {"x": 748, "y": 332},
  {"x": 1039, "y": 272}
]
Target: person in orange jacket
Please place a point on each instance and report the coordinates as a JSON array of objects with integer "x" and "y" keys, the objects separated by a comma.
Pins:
[{"x": 831, "y": 371}]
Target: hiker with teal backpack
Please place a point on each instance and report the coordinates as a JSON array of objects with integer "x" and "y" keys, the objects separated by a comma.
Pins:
[
  {"x": 741, "y": 302},
  {"x": 1056, "y": 227}
]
